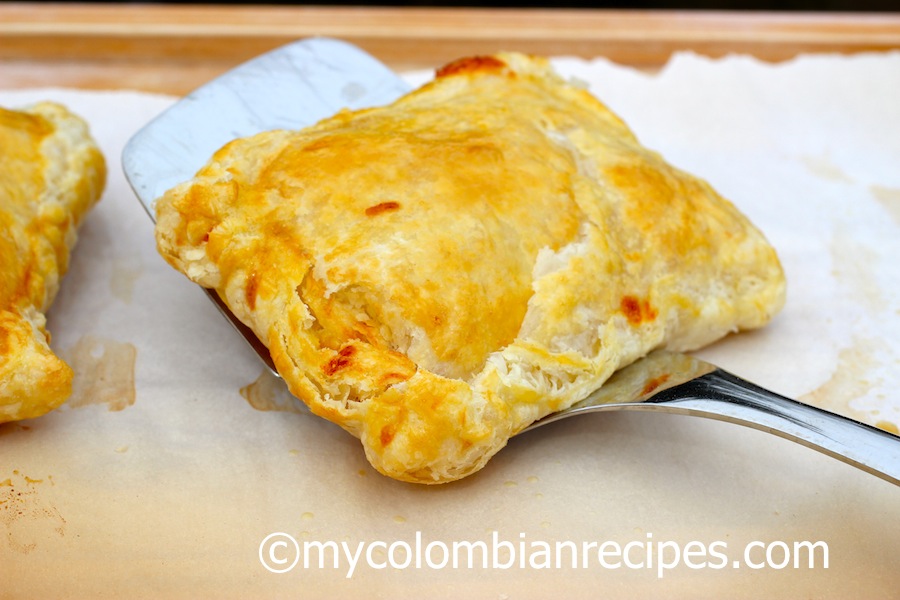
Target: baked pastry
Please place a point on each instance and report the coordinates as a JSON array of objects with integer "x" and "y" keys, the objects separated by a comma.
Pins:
[
  {"x": 51, "y": 173},
  {"x": 435, "y": 275}
]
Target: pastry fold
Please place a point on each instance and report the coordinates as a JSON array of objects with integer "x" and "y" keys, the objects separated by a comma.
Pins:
[
  {"x": 51, "y": 173},
  {"x": 437, "y": 274}
]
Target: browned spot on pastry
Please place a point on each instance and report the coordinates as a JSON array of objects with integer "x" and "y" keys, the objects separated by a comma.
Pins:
[
  {"x": 198, "y": 200},
  {"x": 252, "y": 289},
  {"x": 471, "y": 64},
  {"x": 648, "y": 311},
  {"x": 387, "y": 434},
  {"x": 383, "y": 207},
  {"x": 323, "y": 143},
  {"x": 4, "y": 342},
  {"x": 340, "y": 361},
  {"x": 632, "y": 309},
  {"x": 655, "y": 383},
  {"x": 637, "y": 311},
  {"x": 391, "y": 378}
]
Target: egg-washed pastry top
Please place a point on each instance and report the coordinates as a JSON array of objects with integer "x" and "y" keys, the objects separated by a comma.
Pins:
[
  {"x": 436, "y": 274},
  {"x": 51, "y": 173}
]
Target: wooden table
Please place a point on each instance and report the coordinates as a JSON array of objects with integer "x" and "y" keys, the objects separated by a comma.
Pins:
[{"x": 174, "y": 49}]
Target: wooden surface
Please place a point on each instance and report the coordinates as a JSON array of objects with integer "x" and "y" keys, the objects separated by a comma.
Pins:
[{"x": 176, "y": 48}]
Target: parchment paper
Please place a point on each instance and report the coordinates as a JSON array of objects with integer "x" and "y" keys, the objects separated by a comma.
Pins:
[{"x": 161, "y": 480}]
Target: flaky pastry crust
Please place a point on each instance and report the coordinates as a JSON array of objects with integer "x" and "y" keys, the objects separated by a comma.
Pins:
[
  {"x": 51, "y": 173},
  {"x": 439, "y": 273}
]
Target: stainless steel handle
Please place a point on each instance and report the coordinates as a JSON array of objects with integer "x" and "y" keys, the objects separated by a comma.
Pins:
[
  {"x": 681, "y": 384},
  {"x": 723, "y": 396}
]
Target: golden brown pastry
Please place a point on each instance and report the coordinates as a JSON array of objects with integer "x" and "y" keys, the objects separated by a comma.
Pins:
[
  {"x": 437, "y": 274},
  {"x": 51, "y": 173}
]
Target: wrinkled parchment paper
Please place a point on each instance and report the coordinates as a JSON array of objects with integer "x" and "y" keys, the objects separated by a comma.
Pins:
[{"x": 175, "y": 459}]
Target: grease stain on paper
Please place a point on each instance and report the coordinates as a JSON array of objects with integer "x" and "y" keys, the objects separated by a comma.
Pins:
[
  {"x": 12, "y": 427},
  {"x": 860, "y": 367},
  {"x": 269, "y": 392},
  {"x": 122, "y": 280},
  {"x": 27, "y": 516},
  {"x": 849, "y": 380},
  {"x": 889, "y": 198},
  {"x": 104, "y": 373},
  {"x": 853, "y": 269},
  {"x": 822, "y": 167},
  {"x": 888, "y": 426}
]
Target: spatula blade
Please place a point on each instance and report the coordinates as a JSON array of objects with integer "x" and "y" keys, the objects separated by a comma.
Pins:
[{"x": 288, "y": 88}]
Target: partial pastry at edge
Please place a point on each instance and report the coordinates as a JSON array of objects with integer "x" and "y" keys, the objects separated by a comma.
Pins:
[
  {"x": 437, "y": 274},
  {"x": 51, "y": 173}
]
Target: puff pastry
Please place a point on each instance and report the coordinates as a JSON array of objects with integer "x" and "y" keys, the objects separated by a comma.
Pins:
[
  {"x": 51, "y": 173},
  {"x": 435, "y": 275}
]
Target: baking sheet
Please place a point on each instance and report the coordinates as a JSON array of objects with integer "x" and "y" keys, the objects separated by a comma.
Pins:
[{"x": 177, "y": 456}]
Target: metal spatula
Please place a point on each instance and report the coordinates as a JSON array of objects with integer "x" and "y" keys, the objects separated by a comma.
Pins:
[
  {"x": 299, "y": 84},
  {"x": 680, "y": 384},
  {"x": 289, "y": 88}
]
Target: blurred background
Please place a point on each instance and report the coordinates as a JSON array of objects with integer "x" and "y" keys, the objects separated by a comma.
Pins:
[{"x": 749, "y": 5}]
